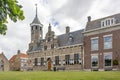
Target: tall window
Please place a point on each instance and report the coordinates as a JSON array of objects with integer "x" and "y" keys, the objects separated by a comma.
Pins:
[
  {"x": 36, "y": 27},
  {"x": 94, "y": 61},
  {"x": 108, "y": 60},
  {"x": 94, "y": 44},
  {"x": 42, "y": 61},
  {"x": 76, "y": 58},
  {"x": 45, "y": 47},
  {"x": 108, "y": 42},
  {"x": 36, "y": 61},
  {"x": 56, "y": 60},
  {"x": 67, "y": 59},
  {"x": 52, "y": 46}
]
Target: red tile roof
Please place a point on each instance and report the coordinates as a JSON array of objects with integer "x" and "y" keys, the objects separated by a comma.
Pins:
[
  {"x": 23, "y": 55},
  {"x": 12, "y": 58}
]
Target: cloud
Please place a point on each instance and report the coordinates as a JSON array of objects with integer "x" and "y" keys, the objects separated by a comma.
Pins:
[
  {"x": 71, "y": 13},
  {"x": 60, "y": 13}
]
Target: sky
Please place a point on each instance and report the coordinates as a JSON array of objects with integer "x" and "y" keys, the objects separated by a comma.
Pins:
[{"x": 60, "y": 13}]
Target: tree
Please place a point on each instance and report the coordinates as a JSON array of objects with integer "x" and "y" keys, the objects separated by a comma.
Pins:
[{"x": 11, "y": 9}]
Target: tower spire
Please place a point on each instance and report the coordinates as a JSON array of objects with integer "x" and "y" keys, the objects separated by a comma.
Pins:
[
  {"x": 49, "y": 28},
  {"x": 36, "y": 9}
]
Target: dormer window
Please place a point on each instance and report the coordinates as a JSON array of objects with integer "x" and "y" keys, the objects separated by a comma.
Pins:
[
  {"x": 107, "y": 22},
  {"x": 70, "y": 39}
]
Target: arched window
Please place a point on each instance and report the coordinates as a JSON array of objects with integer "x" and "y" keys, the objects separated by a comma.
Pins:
[{"x": 40, "y": 28}]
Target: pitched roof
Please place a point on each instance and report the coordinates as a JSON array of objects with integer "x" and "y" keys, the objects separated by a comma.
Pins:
[
  {"x": 71, "y": 38},
  {"x": 36, "y": 21},
  {"x": 12, "y": 58},
  {"x": 2, "y": 55},
  {"x": 97, "y": 23},
  {"x": 64, "y": 40},
  {"x": 23, "y": 55}
]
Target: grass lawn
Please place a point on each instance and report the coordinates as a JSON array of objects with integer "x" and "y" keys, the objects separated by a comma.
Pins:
[{"x": 62, "y": 75}]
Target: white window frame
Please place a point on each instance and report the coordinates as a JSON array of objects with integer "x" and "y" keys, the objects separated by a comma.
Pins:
[
  {"x": 108, "y": 53},
  {"x": 104, "y": 41},
  {"x": 107, "y": 20},
  {"x": 96, "y": 54},
  {"x": 91, "y": 44}
]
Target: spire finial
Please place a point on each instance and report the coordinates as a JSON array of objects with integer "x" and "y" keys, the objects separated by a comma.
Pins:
[
  {"x": 49, "y": 28},
  {"x": 36, "y": 9},
  {"x": 49, "y": 24}
]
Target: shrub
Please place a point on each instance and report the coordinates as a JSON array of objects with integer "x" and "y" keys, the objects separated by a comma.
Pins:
[{"x": 115, "y": 62}]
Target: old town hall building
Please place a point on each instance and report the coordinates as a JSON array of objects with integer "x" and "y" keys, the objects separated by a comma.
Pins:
[
  {"x": 96, "y": 47},
  {"x": 63, "y": 51}
]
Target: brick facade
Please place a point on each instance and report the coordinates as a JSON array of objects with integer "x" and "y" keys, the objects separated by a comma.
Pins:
[{"x": 114, "y": 31}]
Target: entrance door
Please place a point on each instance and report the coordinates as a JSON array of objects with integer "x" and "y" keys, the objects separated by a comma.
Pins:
[{"x": 49, "y": 63}]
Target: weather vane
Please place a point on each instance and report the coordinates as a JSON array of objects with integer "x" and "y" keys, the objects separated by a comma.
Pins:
[{"x": 36, "y": 5}]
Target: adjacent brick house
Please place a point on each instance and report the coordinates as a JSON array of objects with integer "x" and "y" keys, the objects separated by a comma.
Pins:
[
  {"x": 101, "y": 43},
  {"x": 19, "y": 62},
  {"x": 4, "y": 63}
]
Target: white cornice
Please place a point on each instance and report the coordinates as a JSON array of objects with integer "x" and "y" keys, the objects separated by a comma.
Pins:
[{"x": 101, "y": 28}]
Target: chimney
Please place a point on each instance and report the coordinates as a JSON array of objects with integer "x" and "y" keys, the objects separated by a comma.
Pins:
[
  {"x": 67, "y": 29},
  {"x": 89, "y": 18},
  {"x": 2, "y": 53},
  {"x": 18, "y": 52}
]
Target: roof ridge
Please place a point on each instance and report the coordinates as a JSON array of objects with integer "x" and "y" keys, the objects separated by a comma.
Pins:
[
  {"x": 70, "y": 32},
  {"x": 104, "y": 17}
]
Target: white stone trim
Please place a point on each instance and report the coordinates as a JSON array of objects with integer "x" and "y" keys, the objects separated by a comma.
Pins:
[
  {"x": 108, "y": 35},
  {"x": 101, "y": 69},
  {"x": 95, "y": 54},
  {"x": 70, "y": 46},
  {"x": 87, "y": 69},
  {"x": 115, "y": 25},
  {"x": 94, "y": 38},
  {"x": 101, "y": 30}
]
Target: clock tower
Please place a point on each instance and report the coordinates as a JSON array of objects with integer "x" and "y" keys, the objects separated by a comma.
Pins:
[{"x": 36, "y": 29}]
